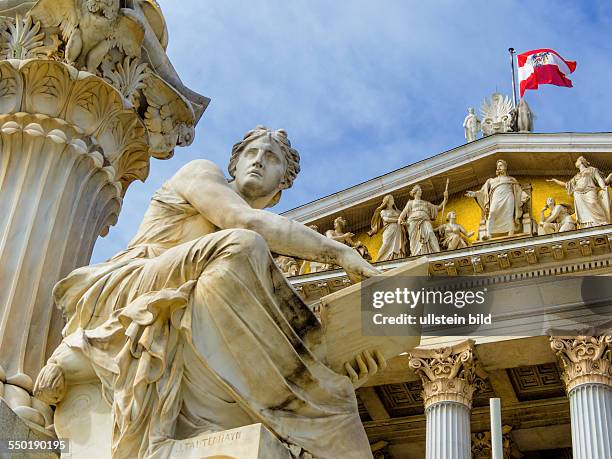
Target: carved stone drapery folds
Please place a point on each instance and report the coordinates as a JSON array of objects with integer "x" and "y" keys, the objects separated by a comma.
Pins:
[
  {"x": 76, "y": 129},
  {"x": 584, "y": 359},
  {"x": 448, "y": 374}
]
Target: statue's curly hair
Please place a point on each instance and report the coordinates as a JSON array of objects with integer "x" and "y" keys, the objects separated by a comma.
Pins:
[{"x": 280, "y": 137}]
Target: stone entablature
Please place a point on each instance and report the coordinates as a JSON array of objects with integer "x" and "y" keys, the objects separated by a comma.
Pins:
[{"x": 582, "y": 251}]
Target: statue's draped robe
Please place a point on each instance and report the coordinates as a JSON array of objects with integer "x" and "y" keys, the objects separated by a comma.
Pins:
[
  {"x": 591, "y": 198},
  {"x": 503, "y": 197},
  {"x": 393, "y": 237},
  {"x": 421, "y": 234},
  {"x": 203, "y": 336}
]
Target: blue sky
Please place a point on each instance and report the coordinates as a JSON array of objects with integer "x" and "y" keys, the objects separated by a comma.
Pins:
[{"x": 366, "y": 87}]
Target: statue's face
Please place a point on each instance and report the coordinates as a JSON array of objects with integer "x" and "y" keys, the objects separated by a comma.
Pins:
[
  {"x": 501, "y": 168},
  {"x": 260, "y": 168},
  {"x": 390, "y": 202},
  {"x": 339, "y": 226},
  {"x": 417, "y": 192},
  {"x": 451, "y": 216},
  {"x": 550, "y": 202}
]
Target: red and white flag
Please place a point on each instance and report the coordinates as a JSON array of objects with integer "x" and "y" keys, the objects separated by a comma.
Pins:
[{"x": 543, "y": 66}]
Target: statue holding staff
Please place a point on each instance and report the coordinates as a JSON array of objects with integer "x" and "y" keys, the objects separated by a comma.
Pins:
[{"x": 418, "y": 215}]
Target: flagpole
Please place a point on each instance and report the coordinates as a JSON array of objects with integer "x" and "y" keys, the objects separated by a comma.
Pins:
[{"x": 511, "y": 51}]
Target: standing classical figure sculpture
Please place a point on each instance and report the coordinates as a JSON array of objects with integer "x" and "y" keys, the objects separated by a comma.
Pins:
[
  {"x": 386, "y": 217},
  {"x": 453, "y": 235},
  {"x": 418, "y": 216},
  {"x": 501, "y": 199},
  {"x": 559, "y": 220},
  {"x": 181, "y": 327},
  {"x": 524, "y": 117},
  {"x": 471, "y": 125},
  {"x": 590, "y": 192}
]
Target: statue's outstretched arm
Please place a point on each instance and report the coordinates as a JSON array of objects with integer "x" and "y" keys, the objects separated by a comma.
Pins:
[{"x": 204, "y": 186}]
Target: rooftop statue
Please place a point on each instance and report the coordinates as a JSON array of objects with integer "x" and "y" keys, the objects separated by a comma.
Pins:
[
  {"x": 183, "y": 326},
  {"x": 524, "y": 117},
  {"x": 471, "y": 125},
  {"x": 501, "y": 199},
  {"x": 418, "y": 216},
  {"x": 386, "y": 217},
  {"x": 590, "y": 192}
]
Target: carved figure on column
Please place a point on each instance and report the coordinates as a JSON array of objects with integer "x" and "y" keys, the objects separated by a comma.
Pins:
[
  {"x": 590, "y": 192},
  {"x": 453, "y": 235},
  {"x": 501, "y": 199},
  {"x": 419, "y": 215},
  {"x": 91, "y": 29},
  {"x": 558, "y": 220},
  {"x": 471, "y": 125},
  {"x": 386, "y": 216},
  {"x": 180, "y": 327}
]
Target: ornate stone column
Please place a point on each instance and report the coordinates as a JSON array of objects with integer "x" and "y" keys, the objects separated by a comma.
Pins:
[
  {"x": 77, "y": 126},
  {"x": 587, "y": 375},
  {"x": 449, "y": 377}
]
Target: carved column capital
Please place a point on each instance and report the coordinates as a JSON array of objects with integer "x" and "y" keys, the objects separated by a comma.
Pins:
[
  {"x": 584, "y": 359},
  {"x": 448, "y": 374}
]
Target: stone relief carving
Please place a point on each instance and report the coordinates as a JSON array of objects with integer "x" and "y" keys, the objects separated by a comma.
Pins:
[
  {"x": 197, "y": 302},
  {"x": 471, "y": 125},
  {"x": 559, "y": 218},
  {"x": 453, "y": 235},
  {"x": 590, "y": 193},
  {"x": 386, "y": 217},
  {"x": 340, "y": 234},
  {"x": 418, "y": 215},
  {"x": 502, "y": 200}
]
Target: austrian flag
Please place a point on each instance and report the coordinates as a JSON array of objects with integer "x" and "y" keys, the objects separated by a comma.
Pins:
[{"x": 543, "y": 66}]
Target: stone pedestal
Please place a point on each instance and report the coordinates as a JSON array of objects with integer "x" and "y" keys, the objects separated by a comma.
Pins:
[
  {"x": 587, "y": 375},
  {"x": 250, "y": 442},
  {"x": 449, "y": 377}
]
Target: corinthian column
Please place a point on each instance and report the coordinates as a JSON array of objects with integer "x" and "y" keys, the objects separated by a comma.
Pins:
[
  {"x": 449, "y": 377},
  {"x": 587, "y": 375},
  {"x": 77, "y": 126}
]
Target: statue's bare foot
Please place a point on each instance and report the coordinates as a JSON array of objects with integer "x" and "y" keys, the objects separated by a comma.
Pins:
[{"x": 50, "y": 385}]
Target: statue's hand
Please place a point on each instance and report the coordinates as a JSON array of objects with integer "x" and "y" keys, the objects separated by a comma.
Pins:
[
  {"x": 50, "y": 385},
  {"x": 470, "y": 194},
  {"x": 356, "y": 267},
  {"x": 367, "y": 366}
]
